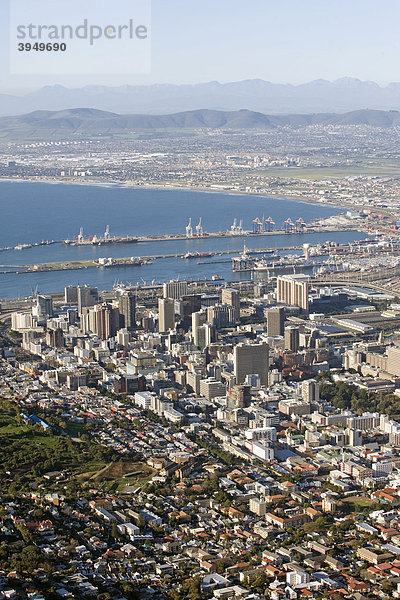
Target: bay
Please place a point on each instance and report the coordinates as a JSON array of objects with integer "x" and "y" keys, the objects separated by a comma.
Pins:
[{"x": 32, "y": 212}]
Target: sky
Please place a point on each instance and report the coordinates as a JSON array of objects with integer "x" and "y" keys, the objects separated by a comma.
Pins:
[{"x": 283, "y": 41}]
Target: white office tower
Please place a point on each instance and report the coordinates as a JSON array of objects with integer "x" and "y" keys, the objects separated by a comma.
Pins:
[
  {"x": 293, "y": 290},
  {"x": 175, "y": 289}
]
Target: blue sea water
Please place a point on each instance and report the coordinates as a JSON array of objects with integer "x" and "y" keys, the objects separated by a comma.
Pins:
[{"x": 31, "y": 212}]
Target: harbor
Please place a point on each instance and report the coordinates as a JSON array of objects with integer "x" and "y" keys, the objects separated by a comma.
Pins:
[
  {"x": 329, "y": 256},
  {"x": 166, "y": 247},
  {"x": 261, "y": 227}
]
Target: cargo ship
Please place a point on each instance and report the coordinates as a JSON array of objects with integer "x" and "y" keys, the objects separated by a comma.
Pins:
[
  {"x": 135, "y": 261},
  {"x": 198, "y": 254},
  {"x": 105, "y": 240}
]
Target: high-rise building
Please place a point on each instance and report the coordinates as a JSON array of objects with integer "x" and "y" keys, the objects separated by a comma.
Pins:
[
  {"x": 175, "y": 289},
  {"x": 71, "y": 294},
  {"x": 193, "y": 381},
  {"x": 310, "y": 391},
  {"x": 257, "y": 506},
  {"x": 260, "y": 289},
  {"x": 297, "y": 578},
  {"x": 127, "y": 310},
  {"x": 185, "y": 307},
  {"x": 211, "y": 388},
  {"x": 253, "y": 380},
  {"x": 72, "y": 316},
  {"x": 55, "y": 338},
  {"x": 123, "y": 338},
  {"x": 43, "y": 306},
  {"x": 147, "y": 323},
  {"x": 293, "y": 290},
  {"x": 249, "y": 359},
  {"x": 166, "y": 314},
  {"x": 393, "y": 362},
  {"x": 204, "y": 336},
  {"x": 104, "y": 320},
  {"x": 292, "y": 337},
  {"x": 189, "y": 304},
  {"x": 355, "y": 437},
  {"x": 198, "y": 319},
  {"x": 238, "y": 396},
  {"x": 231, "y": 297},
  {"x": 221, "y": 315},
  {"x": 87, "y": 296},
  {"x": 275, "y": 317}
]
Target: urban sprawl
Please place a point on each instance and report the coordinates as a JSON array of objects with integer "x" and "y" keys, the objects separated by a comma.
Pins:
[{"x": 210, "y": 439}]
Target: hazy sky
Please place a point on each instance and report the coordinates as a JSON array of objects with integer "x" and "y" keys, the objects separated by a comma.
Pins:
[{"x": 287, "y": 41}]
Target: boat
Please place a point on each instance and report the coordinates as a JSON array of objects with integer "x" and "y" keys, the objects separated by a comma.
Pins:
[
  {"x": 89, "y": 240},
  {"x": 197, "y": 254}
]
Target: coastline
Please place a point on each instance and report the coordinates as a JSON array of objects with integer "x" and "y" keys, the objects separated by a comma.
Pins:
[{"x": 174, "y": 188}]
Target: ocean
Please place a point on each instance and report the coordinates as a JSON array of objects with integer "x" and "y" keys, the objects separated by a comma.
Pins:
[{"x": 32, "y": 212}]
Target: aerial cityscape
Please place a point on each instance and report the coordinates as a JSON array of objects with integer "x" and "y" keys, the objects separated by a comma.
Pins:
[{"x": 200, "y": 306}]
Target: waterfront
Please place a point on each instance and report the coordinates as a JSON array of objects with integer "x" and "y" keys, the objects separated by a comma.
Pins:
[{"x": 31, "y": 213}]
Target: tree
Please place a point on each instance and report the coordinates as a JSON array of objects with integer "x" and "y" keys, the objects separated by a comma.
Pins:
[
  {"x": 25, "y": 533},
  {"x": 114, "y": 530},
  {"x": 387, "y": 588},
  {"x": 141, "y": 523},
  {"x": 28, "y": 559},
  {"x": 259, "y": 582},
  {"x": 191, "y": 587}
]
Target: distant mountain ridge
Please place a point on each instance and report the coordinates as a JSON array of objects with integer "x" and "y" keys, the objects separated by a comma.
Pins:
[
  {"x": 343, "y": 95},
  {"x": 89, "y": 122}
]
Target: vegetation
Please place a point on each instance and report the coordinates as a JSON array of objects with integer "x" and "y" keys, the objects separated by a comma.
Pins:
[
  {"x": 27, "y": 452},
  {"x": 345, "y": 396}
]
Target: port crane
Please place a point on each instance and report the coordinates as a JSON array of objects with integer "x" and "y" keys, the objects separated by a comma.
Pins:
[
  {"x": 269, "y": 224},
  {"x": 257, "y": 225},
  {"x": 189, "y": 229},
  {"x": 300, "y": 225},
  {"x": 235, "y": 228},
  {"x": 288, "y": 225},
  {"x": 263, "y": 225},
  {"x": 199, "y": 229}
]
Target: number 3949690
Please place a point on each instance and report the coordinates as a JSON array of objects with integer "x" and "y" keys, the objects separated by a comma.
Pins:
[{"x": 42, "y": 47}]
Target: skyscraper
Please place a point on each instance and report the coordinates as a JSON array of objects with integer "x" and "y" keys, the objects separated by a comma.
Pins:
[
  {"x": 127, "y": 310},
  {"x": 175, "y": 289},
  {"x": 166, "y": 314},
  {"x": 44, "y": 306},
  {"x": 292, "y": 337},
  {"x": 221, "y": 315},
  {"x": 189, "y": 304},
  {"x": 293, "y": 290},
  {"x": 249, "y": 359},
  {"x": 393, "y": 362},
  {"x": 204, "y": 336},
  {"x": 238, "y": 396},
  {"x": 104, "y": 320},
  {"x": 71, "y": 294},
  {"x": 232, "y": 297},
  {"x": 275, "y": 317},
  {"x": 87, "y": 296},
  {"x": 55, "y": 338},
  {"x": 198, "y": 319},
  {"x": 310, "y": 391}
]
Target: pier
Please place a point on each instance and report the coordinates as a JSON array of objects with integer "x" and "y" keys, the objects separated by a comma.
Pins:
[
  {"x": 241, "y": 262},
  {"x": 121, "y": 262},
  {"x": 107, "y": 240}
]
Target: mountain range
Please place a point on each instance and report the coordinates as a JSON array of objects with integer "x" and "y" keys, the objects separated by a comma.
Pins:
[
  {"x": 89, "y": 122},
  {"x": 342, "y": 95}
]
